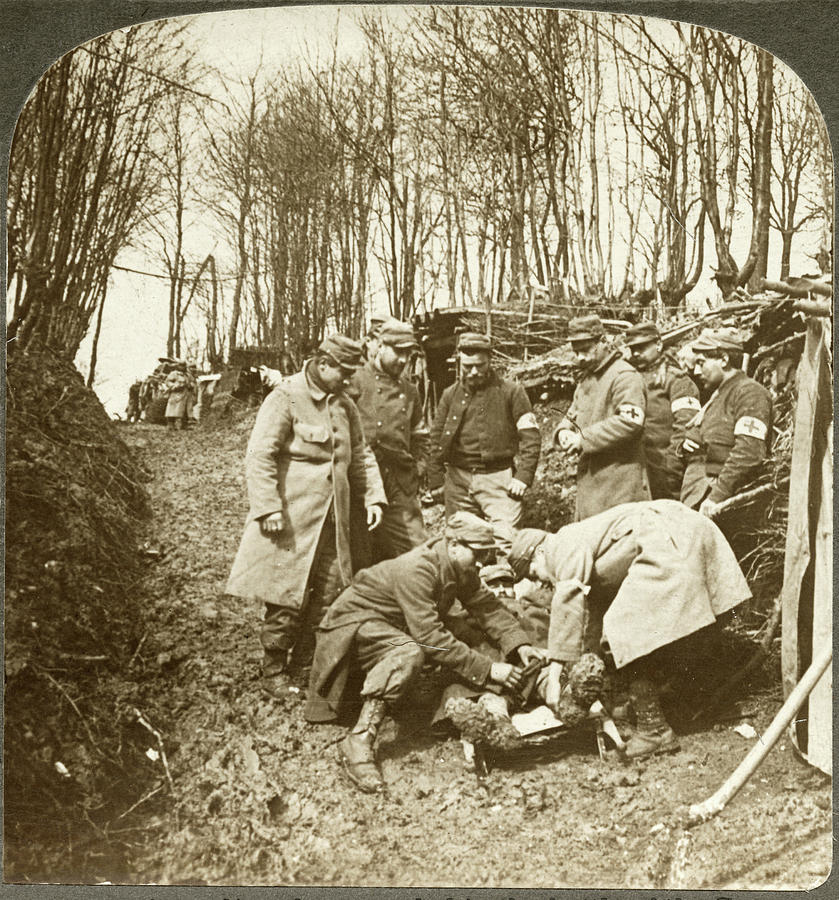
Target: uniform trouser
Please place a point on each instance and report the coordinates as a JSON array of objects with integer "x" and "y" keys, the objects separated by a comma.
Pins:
[
  {"x": 485, "y": 495},
  {"x": 401, "y": 528},
  {"x": 391, "y": 659},
  {"x": 284, "y": 627}
]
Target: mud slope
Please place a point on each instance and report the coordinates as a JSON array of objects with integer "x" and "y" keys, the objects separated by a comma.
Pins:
[{"x": 257, "y": 798}]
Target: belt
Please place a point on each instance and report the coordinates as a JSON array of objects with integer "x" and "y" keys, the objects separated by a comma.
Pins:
[{"x": 486, "y": 468}]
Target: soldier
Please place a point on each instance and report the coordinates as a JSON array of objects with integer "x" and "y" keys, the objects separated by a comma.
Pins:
[
  {"x": 727, "y": 441},
  {"x": 392, "y": 617},
  {"x": 664, "y": 571},
  {"x": 485, "y": 442},
  {"x": 672, "y": 401},
  {"x": 132, "y": 411},
  {"x": 605, "y": 423},
  {"x": 305, "y": 456},
  {"x": 394, "y": 428}
]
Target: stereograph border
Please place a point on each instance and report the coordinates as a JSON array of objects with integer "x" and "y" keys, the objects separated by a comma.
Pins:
[{"x": 34, "y": 33}]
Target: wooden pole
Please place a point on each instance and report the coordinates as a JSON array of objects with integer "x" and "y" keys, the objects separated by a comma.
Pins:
[{"x": 701, "y": 812}]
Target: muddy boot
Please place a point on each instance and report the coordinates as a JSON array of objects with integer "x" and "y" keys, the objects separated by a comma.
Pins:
[
  {"x": 357, "y": 750},
  {"x": 275, "y": 681},
  {"x": 653, "y": 734},
  {"x": 485, "y": 722}
]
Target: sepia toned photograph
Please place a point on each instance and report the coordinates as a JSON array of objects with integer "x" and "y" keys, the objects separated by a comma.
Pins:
[{"x": 419, "y": 456}]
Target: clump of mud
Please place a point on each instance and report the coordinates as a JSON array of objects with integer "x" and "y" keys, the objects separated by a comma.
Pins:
[
  {"x": 75, "y": 498},
  {"x": 478, "y": 725},
  {"x": 586, "y": 679}
]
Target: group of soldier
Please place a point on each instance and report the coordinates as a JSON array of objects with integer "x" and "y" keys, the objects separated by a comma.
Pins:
[
  {"x": 172, "y": 379},
  {"x": 355, "y": 592}
]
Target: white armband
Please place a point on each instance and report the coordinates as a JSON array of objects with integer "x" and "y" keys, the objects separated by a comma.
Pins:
[
  {"x": 685, "y": 403},
  {"x": 751, "y": 427}
]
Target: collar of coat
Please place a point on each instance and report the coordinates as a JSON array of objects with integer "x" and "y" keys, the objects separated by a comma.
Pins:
[{"x": 607, "y": 361}]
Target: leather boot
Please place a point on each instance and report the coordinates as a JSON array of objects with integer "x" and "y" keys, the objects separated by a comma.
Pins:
[
  {"x": 275, "y": 681},
  {"x": 357, "y": 750},
  {"x": 653, "y": 734}
]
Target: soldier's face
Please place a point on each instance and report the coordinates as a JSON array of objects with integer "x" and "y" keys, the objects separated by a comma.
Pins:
[
  {"x": 539, "y": 567},
  {"x": 642, "y": 356},
  {"x": 588, "y": 353},
  {"x": 393, "y": 359},
  {"x": 467, "y": 559},
  {"x": 335, "y": 378},
  {"x": 475, "y": 369},
  {"x": 709, "y": 369}
]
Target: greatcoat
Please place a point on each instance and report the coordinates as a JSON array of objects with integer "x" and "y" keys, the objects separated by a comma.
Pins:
[
  {"x": 608, "y": 409},
  {"x": 670, "y": 569},
  {"x": 305, "y": 455}
]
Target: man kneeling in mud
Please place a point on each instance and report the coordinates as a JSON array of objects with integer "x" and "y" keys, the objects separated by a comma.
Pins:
[
  {"x": 392, "y": 618},
  {"x": 665, "y": 570}
]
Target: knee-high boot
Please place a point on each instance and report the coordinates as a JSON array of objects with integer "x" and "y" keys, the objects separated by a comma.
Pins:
[{"x": 358, "y": 754}]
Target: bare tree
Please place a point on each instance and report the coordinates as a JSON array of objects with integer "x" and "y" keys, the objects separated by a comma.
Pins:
[{"x": 81, "y": 181}]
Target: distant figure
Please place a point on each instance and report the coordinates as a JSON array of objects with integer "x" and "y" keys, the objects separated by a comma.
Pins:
[
  {"x": 132, "y": 411},
  {"x": 180, "y": 394}
]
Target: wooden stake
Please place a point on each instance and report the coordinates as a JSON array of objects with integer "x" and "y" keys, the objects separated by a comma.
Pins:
[{"x": 701, "y": 812}]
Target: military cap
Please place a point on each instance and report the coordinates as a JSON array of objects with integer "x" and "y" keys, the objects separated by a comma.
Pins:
[
  {"x": 472, "y": 342},
  {"x": 585, "y": 328},
  {"x": 467, "y": 528},
  {"x": 725, "y": 339},
  {"x": 525, "y": 542},
  {"x": 345, "y": 351},
  {"x": 641, "y": 333},
  {"x": 398, "y": 334}
]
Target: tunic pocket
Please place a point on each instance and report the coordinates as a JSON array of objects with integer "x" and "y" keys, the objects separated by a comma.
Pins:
[{"x": 315, "y": 434}]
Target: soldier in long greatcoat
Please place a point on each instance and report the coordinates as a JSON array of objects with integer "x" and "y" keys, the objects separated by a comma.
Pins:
[
  {"x": 605, "y": 423},
  {"x": 305, "y": 456},
  {"x": 665, "y": 571}
]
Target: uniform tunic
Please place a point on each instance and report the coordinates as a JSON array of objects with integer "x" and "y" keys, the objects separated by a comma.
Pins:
[
  {"x": 392, "y": 420},
  {"x": 609, "y": 409},
  {"x": 734, "y": 433},
  {"x": 412, "y": 594},
  {"x": 669, "y": 569},
  {"x": 305, "y": 455},
  {"x": 672, "y": 401},
  {"x": 481, "y": 441}
]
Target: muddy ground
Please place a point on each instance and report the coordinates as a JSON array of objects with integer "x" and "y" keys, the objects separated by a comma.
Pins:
[{"x": 253, "y": 794}]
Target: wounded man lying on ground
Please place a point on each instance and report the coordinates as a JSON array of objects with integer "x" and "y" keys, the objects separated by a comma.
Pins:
[
  {"x": 667, "y": 572},
  {"x": 392, "y": 618}
]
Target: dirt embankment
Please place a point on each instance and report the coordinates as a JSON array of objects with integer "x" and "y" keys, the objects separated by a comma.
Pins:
[
  {"x": 73, "y": 618},
  {"x": 254, "y": 795}
]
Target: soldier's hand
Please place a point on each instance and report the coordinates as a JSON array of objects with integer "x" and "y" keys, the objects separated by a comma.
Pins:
[
  {"x": 273, "y": 523},
  {"x": 690, "y": 446},
  {"x": 374, "y": 516},
  {"x": 708, "y": 508},
  {"x": 437, "y": 494},
  {"x": 516, "y": 488},
  {"x": 506, "y": 675},
  {"x": 569, "y": 441},
  {"x": 528, "y": 654}
]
